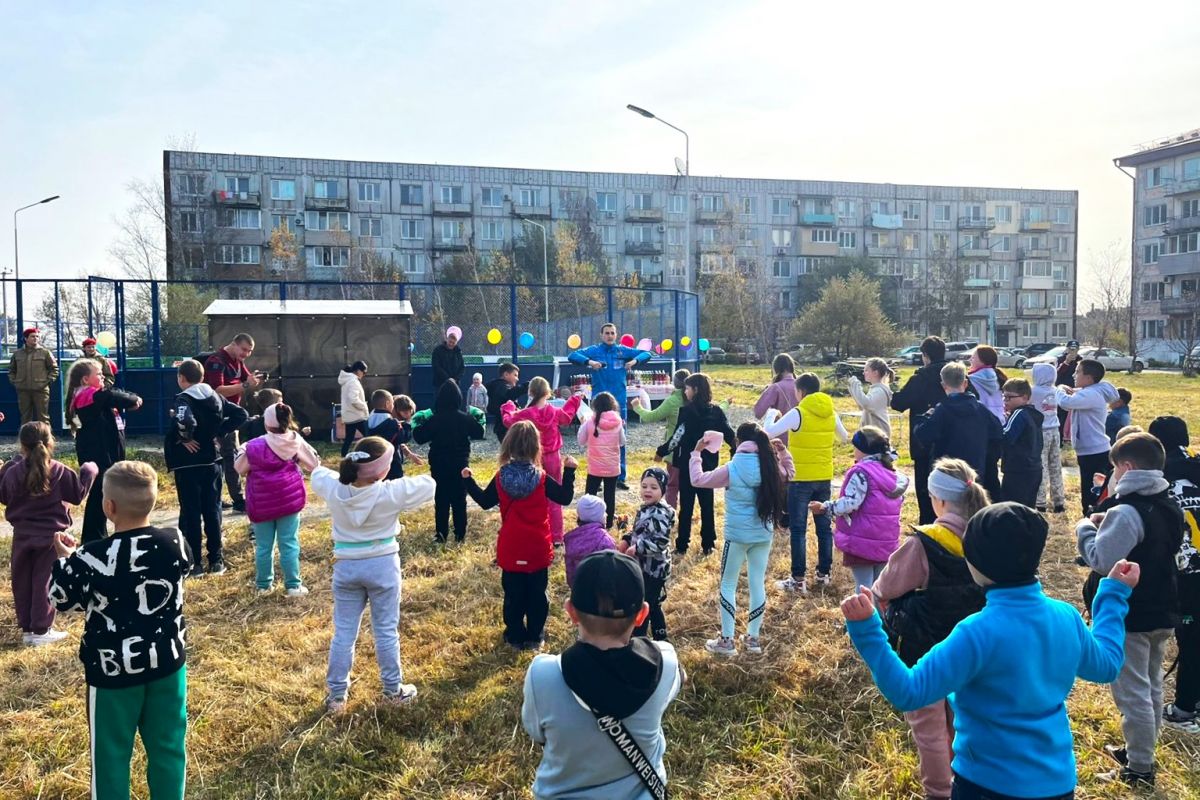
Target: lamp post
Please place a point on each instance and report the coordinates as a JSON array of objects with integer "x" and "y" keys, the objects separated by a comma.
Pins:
[
  {"x": 16, "y": 248},
  {"x": 545, "y": 267},
  {"x": 687, "y": 203}
]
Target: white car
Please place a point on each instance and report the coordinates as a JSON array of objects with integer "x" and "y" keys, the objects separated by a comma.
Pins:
[
  {"x": 1049, "y": 357},
  {"x": 1113, "y": 359},
  {"x": 1005, "y": 357}
]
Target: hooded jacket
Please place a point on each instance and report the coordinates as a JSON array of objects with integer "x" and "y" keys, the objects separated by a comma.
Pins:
[
  {"x": 987, "y": 385},
  {"x": 1182, "y": 473},
  {"x": 1116, "y": 419},
  {"x": 448, "y": 432},
  {"x": 874, "y": 403},
  {"x": 611, "y": 377},
  {"x": 960, "y": 427},
  {"x": 200, "y": 415},
  {"x": 39, "y": 517},
  {"x": 547, "y": 419},
  {"x": 693, "y": 421},
  {"x": 920, "y": 393},
  {"x": 741, "y": 479},
  {"x": 1089, "y": 409},
  {"x": 364, "y": 517},
  {"x": 99, "y": 438},
  {"x": 354, "y": 401},
  {"x": 603, "y": 446},
  {"x": 447, "y": 363},
  {"x": 1044, "y": 398},
  {"x": 1022, "y": 451},
  {"x": 581, "y": 542},
  {"x": 394, "y": 431}
]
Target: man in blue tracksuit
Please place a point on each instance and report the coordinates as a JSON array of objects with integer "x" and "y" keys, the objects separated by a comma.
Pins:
[{"x": 608, "y": 362}]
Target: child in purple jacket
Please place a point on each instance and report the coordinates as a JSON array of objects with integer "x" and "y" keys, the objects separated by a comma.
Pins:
[
  {"x": 275, "y": 496},
  {"x": 590, "y": 537}
]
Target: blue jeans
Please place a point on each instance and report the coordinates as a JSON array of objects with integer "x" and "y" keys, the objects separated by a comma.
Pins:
[
  {"x": 800, "y": 493},
  {"x": 285, "y": 530},
  {"x": 356, "y": 582}
]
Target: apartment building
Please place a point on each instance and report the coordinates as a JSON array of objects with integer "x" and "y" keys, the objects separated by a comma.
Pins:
[
  {"x": 1166, "y": 236},
  {"x": 1014, "y": 250}
]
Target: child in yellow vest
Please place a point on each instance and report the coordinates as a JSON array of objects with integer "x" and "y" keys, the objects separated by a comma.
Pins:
[{"x": 812, "y": 425}]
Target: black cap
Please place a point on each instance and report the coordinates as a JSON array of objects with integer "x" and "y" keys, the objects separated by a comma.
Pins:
[
  {"x": 608, "y": 584},
  {"x": 1073, "y": 345},
  {"x": 1171, "y": 431},
  {"x": 1005, "y": 542}
]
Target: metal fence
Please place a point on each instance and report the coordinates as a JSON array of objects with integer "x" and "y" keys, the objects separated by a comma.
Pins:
[{"x": 157, "y": 323}]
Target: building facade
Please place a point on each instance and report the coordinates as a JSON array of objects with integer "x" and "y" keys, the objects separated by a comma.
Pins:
[
  {"x": 1166, "y": 252},
  {"x": 1011, "y": 253}
]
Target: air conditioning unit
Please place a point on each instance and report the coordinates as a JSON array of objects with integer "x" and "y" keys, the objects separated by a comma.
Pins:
[
  {"x": 781, "y": 251},
  {"x": 508, "y": 198},
  {"x": 996, "y": 284},
  {"x": 662, "y": 228},
  {"x": 796, "y": 203},
  {"x": 610, "y": 215},
  {"x": 657, "y": 259},
  {"x": 1168, "y": 279},
  {"x": 299, "y": 220}
]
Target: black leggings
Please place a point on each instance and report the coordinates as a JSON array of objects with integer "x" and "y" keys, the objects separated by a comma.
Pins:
[
  {"x": 351, "y": 427},
  {"x": 450, "y": 494},
  {"x": 525, "y": 606},
  {"x": 688, "y": 495},
  {"x": 656, "y": 622},
  {"x": 963, "y": 789},
  {"x": 95, "y": 524},
  {"x": 610, "y": 494}
]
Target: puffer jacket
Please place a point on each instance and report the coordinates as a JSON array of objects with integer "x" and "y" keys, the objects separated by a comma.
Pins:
[
  {"x": 354, "y": 401},
  {"x": 872, "y": 531},
  {"x": 603, "y": 448},
  {"x": 32, "y": 370},
  {"x": 274, "y": 487}
]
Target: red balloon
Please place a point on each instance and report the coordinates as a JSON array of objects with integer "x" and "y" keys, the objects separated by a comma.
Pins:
[
  {"x": 658, "y": 349},
  {"x": 627, "y": 340}
]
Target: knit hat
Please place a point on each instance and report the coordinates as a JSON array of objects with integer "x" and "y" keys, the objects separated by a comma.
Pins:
[
  {"x": 454, "y": 331},
  {"x": 591, "y": 509},
  {"x": 659, "y": 475},
  {"x": 608, "y": 584},
  {"x": 1171, "y": 431},
  {"x": 478, "y": 376},
  {"x": 28, "y": 331},
  {"x": 1004, "y": 542}
]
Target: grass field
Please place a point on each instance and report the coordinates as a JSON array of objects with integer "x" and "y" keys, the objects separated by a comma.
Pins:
[{"x": 800, "y": 721}]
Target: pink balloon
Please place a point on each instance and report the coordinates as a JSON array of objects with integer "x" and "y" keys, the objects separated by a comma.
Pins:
[
  {"x": 627, "y": 340},
  {"x": 658, "y": 349},
  {"x": 645, "y": 344}
]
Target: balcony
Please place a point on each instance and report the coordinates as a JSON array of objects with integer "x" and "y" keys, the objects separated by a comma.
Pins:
[
  {"x": 652, "y": 278},
  {"x": 723, "y": 215},
  {"x": 643, "y": 215},
  {"x": 1183, "y": 225},
  {"x": 452, "y": 209},
  {"x": 1182, "y": 187},
  {"x": 976, "y": 223},
  {"x": 643, "y": 248},
  {"x": 810, "y": 248},
  {"x": 977, "y": 283},
  {"x": 975, "y": 252},
  {"x": 1034, "y": 282},
  {"x": 1037, "y": 313},
  {"x": 327, "y": 203},
  {"x": 1033, "y": 252},
  {"x": 714, "y": 247},
  {"x": 817, "y": 219},
  {"x": 977, "y": 312},
  {"x": 883, "y": 251},
  {"x": 887, "y": 222},
  {"x": 1178, "y": 264},
  {"x": 229, "y": 199},
  {"x": 531, "y": 212},
  {"x": 324, "y": 273},
  {"x": 1035, "y": 226},
  {"x": 452, "y": 245},
  {"x": 1179, "y": 305}
]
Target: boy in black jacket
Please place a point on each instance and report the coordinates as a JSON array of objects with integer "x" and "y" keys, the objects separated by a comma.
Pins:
[
  {"x": 200, "y": 415},
  {"x": 960, "y": 426},
  {"x": 920, "y": 393},
  {"x": 131, "y": 587},
  {"x": 389, "y": 421},
  {"x": 502, "y": 389},
  {"x": 448, "y": 432},
  {"x": 1021, "y": 458}
]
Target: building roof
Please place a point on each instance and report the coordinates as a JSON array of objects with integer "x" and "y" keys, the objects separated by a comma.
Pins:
[
  {"x": 309, "y": 308},
  {"x": 1162, "y": 149}
]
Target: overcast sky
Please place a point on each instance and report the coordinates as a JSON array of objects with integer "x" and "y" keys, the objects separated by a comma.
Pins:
[{"x": 1028, "y": 94}]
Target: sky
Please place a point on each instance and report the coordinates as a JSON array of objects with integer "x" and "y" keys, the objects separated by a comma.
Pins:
[{"x": 1023, "y": 94}]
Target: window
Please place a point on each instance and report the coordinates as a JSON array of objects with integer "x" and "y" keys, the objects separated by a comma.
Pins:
[
  {"x": 677, "y": 204},
  {"x": 1152, "y": 290},
  {"x": 973, "y": 212},
  {"x": 1030, "y": 329},
  {"x": 370, "y": 226},
  {"x": 1003, "y": 213},
  {"x": 781, "y": 206},
  {"x": 785, "y": 299},
  {"x": 674, "y": 235},
  {"x": 1191, "y": 168},
  {"x": 781, "y": 268},
  {"x": 847, "y": 240},
  {"x": 243, "y": 218},
  {"x": 807, "y": 265},
  {"x": 412, "y": 229},
  {"x": 710, "y": 235},
  {"x": 781, "y": 237},
  {"x": 493, "y": 231},
  {"x": 746, "y": 236},
  {"x": 912, "y": 242},
  {"x": 284, "y": 221},
  {"x": 369, "y": 192},
  {"x": 880, "y": 239},
  {"x": 642, "y": 234},
  {"x": 881, "y": 207},
  {"x": 968, "y": 241},
  {"x": 643, "y": 201},
  {"x": 193, "y": 258},
  {"x": 1190, "y": 208},
  {"x": 712, "y": 202},
  {"x": 715, "y": 262},
  {"x": 192, "y": 184},
  {"x": 1001, "y": 272},
  {"x": 941, "y": 212},
  {"x": 412, "y": 194},
  {"x": 1059, "y": 301},
  {"x": 1154, "y": 215},
  {"x": 325, "y": 189},
  {"x": 941, "y": 241},
  {"x": 237, "y": 186},
  {"x": 972, "y": 300},
  {"x": 238, "y": 254},
  {"x": 1031, "y": 300},
  {"x": 821, "y": 235},
  {"x": 1033, "y": 243},
  {"x": 814, "y": 205},
  {"x": 328, "y": 256},
  {"x": 1036, "y": 269},
  {"x": 452, "y": 194},
  {"x": 1001, "y": 301},
  {"x": 570, "y": 199},
  {"x": 749, "y": 206},
  {"x": 1150, "y": 253},
  {"x": 1058, "y": 330},
  {"x": 1003, "y": 244},
  {"x": 327, "y": 221},
  {"x": 490, "y": 197},
  {"x": 1062, "y": 244},
  {"x": 1058, "y": 271},
  {"x": 676, "y": 265},
  {"x": 189, "y": 222},
  {"x": 847, "y": 210},
  {"x": 283, "y": 189},
  {"x": 1153, "y": 328},
  {"x": 412, "y": 262},
  {"x": 1155, "y": 176},
  {"x": 608, "y": 234},
  {"x": 531, "y": 197},
  {"x": 911, "y": 211},
  {"x": 606, "y": 201},
  {"x": 1062, "y": 215},
  {"x": 1035, "y": 214},
  {"x": 1183, "y": 243},
  {"x": 451, "y": 230}
]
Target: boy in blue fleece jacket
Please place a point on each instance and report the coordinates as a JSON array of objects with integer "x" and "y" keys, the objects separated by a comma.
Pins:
[{"x": 1008, "y": 669}]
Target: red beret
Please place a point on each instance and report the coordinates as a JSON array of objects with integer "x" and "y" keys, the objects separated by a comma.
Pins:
[
  {"x": 28, "y": 331},
  {"x": 88, "y": 341}
]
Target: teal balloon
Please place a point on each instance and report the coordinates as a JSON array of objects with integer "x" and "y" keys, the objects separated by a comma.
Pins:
[
  {"x": 526, "y": 340},
  {"x": 704, "y": 345},
  {"x": 101, "y": 349}
]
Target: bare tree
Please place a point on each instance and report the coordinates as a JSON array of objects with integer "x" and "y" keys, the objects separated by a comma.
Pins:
[
  {"x": 1107, "y": 294},
  {"x": 1183, "y": 329}
]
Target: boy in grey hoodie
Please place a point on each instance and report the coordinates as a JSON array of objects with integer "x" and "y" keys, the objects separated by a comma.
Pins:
[
  {"x": 1045, "y": 400},
  {"x": 1088, "y": 399},
  {"x": 1143, "y": 524}
]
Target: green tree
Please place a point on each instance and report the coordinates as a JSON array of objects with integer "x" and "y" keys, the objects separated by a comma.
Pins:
[{"x": 847, "y": 319}]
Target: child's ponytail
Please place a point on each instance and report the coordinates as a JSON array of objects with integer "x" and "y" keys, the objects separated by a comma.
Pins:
[
  {"x": 975, "y": 498},
  {"x": 604, "y": 401},
  {"x": 873, "y": 441},
  {"x": 772, "y": 498},
  {"x": 38, "y": 446},
  {"x": 365, "y": 450}
]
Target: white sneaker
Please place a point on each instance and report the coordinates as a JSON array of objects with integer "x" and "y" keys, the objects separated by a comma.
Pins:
[
  {"x": 823, "y": 579},
  {"x": 335, "y": 705},
  {"x": 753, "y": 644},
  {"x": 297, "y": 591},
  {"x": 407, "y": 692},
  {"x": 721, "y": 646},
  {"x": 49, "y": 637},
  {"x": 261, "y": 590},
  {"x": 25, "y": 637},
  {"x": 792, "y": 585}
]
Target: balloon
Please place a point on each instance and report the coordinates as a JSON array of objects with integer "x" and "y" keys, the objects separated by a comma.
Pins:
[
  {"x": 526, "y": 340},
  {"x": 645, "y": 343},
  {"x": 411, "y": 347},
  {"x": 666, "y": 345},
  {"x": 101, "y": 349},
  {"x": 658, "y": 348},
  {"x": 106, "y": 339},
  {"x": 627, "y": 340},
  {"x": 704, "y": 345},
  {"x": 494, "y": 336},
  {"x": 685, "y": 341},
  {"x": 573, "y": 341}
]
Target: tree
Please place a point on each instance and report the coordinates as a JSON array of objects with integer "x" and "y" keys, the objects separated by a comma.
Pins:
[
  {"x": 1107, "y": 323},
  {"x": 847, "y": 319},
  {"x": 940, "y": 306},
  {"x": 1183, "y": 328}
]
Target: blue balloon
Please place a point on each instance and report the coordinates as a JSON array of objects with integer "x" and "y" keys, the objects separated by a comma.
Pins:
[
  {"x": 704, "y": 345},
  {"x": 411, "y": 347},
  {"x": 526, "y": 340}
]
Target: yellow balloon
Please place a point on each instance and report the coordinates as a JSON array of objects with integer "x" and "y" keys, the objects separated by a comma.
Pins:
[
  {"x": 494, "y": 336},
  {"x": 106, "y": 339},
  {"x": 667, "y": 344},
  {"x": 686, "y": 341},
  {"x": 573, "y": 341}
]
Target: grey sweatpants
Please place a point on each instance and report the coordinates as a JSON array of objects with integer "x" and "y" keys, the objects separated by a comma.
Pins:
[{"x": 1138, "y": 693}]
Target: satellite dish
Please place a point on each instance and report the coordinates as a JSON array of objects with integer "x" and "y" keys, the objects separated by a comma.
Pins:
[{"x": 680, "y": 166}]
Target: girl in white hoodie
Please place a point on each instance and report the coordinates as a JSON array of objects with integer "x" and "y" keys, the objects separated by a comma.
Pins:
[
  {"x": 877, "y": 398},
  {"x": 366, "y": 566},
  {"x": 354, "y": 403}
]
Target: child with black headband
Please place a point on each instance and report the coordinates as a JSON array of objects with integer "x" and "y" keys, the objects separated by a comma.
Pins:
[{"x": 650, "y": 543}]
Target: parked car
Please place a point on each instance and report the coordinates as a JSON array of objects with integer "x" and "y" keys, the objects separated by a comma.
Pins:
[
  {"x": 1039, "y": 348},
  {"x": 909, "y": 355},
  {"x": 1005, "y": 357},
  {"x": 1051, "y": 356},
  {"x": 715, "y": 355},
  {"x": 742, "y": 353},
  {"x": 956, "y": 349},
  {"x": 1113, "y": 359},
  {"x": 1192, "y": 361}
]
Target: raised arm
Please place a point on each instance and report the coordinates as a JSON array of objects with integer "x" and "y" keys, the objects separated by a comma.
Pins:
[
  {"x": 788, "y": 422},
  {"x": 484, "y": 498},
  {"x": 715, "y": 479}
]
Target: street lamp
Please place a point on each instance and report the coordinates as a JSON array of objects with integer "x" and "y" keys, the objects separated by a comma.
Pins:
[
  {"x": 16, "y": 248},
  {"x": 545, "y": 268},
  {"x": 687, "y": 158}
]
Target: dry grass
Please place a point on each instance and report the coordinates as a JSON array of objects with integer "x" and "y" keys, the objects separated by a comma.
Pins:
[{"x": 802, "y": 721}]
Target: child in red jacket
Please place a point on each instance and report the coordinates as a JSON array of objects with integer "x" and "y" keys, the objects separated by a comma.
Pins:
[{"x": 525, "y": 494}]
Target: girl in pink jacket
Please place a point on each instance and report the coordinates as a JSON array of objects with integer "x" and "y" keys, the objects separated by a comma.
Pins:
[
  {"x": 547, "y": 419},
  {"x": 604, "y": 435}
]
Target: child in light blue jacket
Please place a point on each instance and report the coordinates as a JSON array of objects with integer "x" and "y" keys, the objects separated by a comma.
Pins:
[{"x": 755, "y": 483}]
